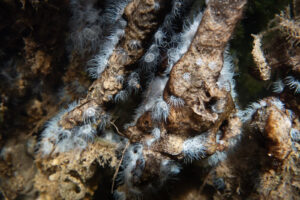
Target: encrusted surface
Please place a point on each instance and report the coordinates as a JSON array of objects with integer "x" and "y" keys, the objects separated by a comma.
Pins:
[
  {"x": 131, "y": 99},
  {"x": 73, "y": 175},
  {"x": 142, "y": 20}
]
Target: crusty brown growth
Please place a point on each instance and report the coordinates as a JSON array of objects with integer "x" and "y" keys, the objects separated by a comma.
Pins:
[
  {"x": 71, "y": 175},
  {"x": 142, "y": 19},
  {"x": 263, "y": 68},
  {"x": 202, "y": 91},
  {"x": 196, "y": 116},
  {"x": 17, "y": 168},
  {"x": 290, "y": 27},
  {"x": 232, "y": 127},
  {"x": 275, "y": 127},
  {"x": 263, "y": 163},
  {"x": 278, "y": 46},
  {"x": 277, "y": 133},
  {"x": 255, "y": 156}
]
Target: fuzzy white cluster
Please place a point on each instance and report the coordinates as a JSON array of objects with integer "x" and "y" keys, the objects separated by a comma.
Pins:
[
  {"x": 159, "y": 37},
  {"x": 154, "y": 92},
  {"x": 217, "y": 157},
  {"x": 121, "y": 96},
  {"x": 155, "y": 136},
  {"x": 84, "y": 25},
  {"x": 100, "y": 61},
  {"x": 156, "y": 133},
  {"x": 293, "y": 84},
  {"x": 160, "y": 110},
  {"x": 168, "y": 168},
  {"x": 199, "y": 62},
  {"x": 186, "y": 76},
  {"x": 112, "y": 137},
  {"x": 167, "y": 25},
  {"x": 90, "y": 115},
  {"x": 113, "y": 27},
  {"x": 183, "y": 41},
  {"x": 246, "y": 115},
  {"x": 179, "y": 41},
  {"x": 295, "y": 135},
  {"x": 133, "y": 85},
  {"x": 135, "y": 44},
  {"x": 212, "y": 65},
  {"x": 90, "y": 25},
  {"x": 193, "y": 148},
  {"x": 104, "y": 120},
  {"x": 133, "y": 82},
  {"x": 175, "y": 48},
  {"x": 226, "y": 78},
  {"x": 132, "y": 167},
  {"x": 120, "y": 79},
  {"x": 175, "y": 101},
  {"x": 150, "y": 59},
  {"x": 57, "y": 139},
  {"x": 278, "y": 86}
]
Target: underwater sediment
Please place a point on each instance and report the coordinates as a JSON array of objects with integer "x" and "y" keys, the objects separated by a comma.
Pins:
[{"x": 151, "y": 99}]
